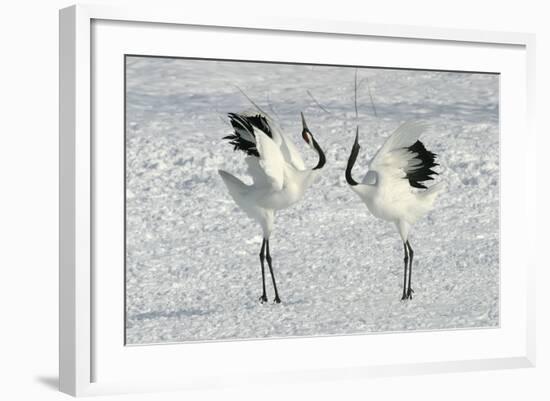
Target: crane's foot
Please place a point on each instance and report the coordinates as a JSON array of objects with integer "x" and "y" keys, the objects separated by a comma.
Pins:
[
  {"x": 263, "y": 299},
  {"x": 277, "y": 300},
  {"x": 407, "y": 294}
]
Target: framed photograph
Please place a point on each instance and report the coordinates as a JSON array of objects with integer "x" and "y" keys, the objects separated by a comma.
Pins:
[{"x": 287, "y": 200}]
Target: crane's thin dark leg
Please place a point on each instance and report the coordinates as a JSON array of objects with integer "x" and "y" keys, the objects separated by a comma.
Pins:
[
  {"x": 277, "y": 300},
  {"x": 411, "y": 256},
  {"x": 406, "y": 262},
  {"x": 263, "y": 298}
]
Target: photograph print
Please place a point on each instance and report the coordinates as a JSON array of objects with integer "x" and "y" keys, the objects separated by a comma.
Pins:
[{"x": 280, "y": 200}]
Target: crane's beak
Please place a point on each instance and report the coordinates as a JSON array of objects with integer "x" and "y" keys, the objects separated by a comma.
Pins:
[{"x": 304, "y": 124}]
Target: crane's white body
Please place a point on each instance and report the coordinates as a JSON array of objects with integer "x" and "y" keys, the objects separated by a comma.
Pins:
[
  {"x": 385, "y": 189},
  {"x": 279, "y": 176}
]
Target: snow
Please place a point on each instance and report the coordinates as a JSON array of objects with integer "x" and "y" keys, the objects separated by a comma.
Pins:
[{"x": 193, "y": 271}]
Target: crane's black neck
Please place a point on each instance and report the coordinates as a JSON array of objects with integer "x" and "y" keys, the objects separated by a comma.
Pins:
[
  {"x": 351, "y": 162},
  {"x": 322, "y": 158}
]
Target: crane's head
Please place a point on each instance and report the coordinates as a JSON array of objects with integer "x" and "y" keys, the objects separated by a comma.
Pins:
[
  {"x": 306, "y": 133},
  {"x": 310, "y": 140}
]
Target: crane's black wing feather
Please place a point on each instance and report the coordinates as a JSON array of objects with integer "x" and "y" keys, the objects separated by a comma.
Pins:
[
  {"x": 422, "y": 171},
  {"x": 243, "y": 136}
]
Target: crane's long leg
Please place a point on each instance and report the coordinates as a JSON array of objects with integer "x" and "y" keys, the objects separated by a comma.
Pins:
[
  {"x": 263, "y": 298},
  {"x": 277, "y": 300},
  {"x": 406, "y": 262},
  {"x": 411, "y": 256}
]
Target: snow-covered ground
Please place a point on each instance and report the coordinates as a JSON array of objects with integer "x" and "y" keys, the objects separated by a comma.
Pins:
[{"x": 193, "y": 270}]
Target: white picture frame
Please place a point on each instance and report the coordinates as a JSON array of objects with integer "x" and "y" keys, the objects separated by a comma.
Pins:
[{"x": 83, "y": 349}]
